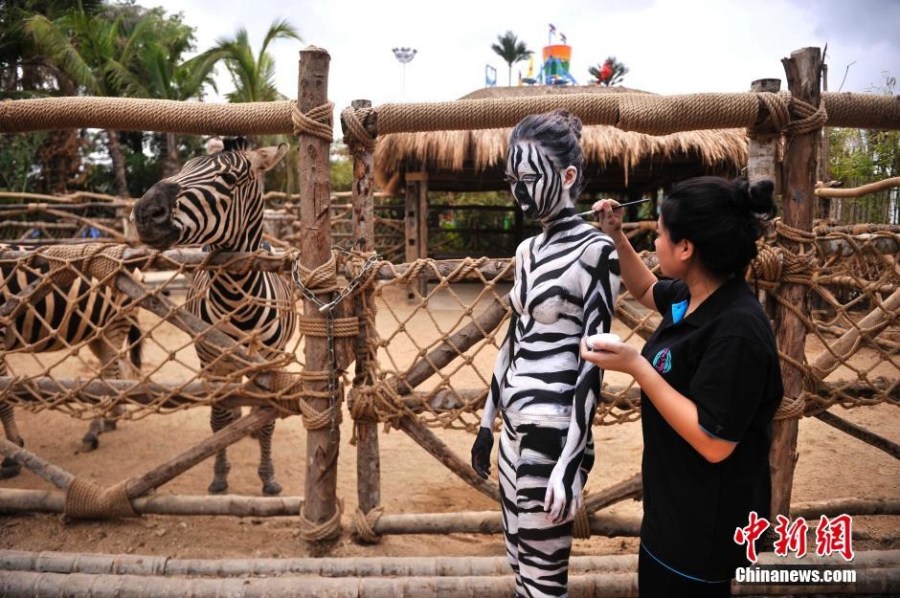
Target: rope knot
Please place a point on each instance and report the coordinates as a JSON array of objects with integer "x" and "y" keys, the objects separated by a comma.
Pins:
[
  {"x": 317, "y": 122},
  {"x": 355, "y": 131},
  {"x": 806, "y": 117}
]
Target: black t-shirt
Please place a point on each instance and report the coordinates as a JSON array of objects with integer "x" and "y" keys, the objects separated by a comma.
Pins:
[{"x": 722, "y": 357}]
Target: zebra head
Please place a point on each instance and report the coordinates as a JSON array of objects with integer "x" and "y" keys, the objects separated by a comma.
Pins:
[{"x": 215, "y": 200}]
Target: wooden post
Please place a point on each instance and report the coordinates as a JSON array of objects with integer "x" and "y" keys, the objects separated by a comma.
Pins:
[
  {"x": 798, "y": 202},
  {"x": 368, "y": 464},
  {"x": 762, "y": 160},
  {"x": 763, "y": 149},
  {"x": 416, "y": 227},
  {"x": 320, "y": 502}
]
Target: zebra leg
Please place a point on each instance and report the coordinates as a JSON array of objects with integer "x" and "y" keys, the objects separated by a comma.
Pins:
[
  {"x": 218, "y": 419},
  {"x": 105, "y": 348},
  {"x": 266, "y": 465},
  {"x": 10, "y": 468}
]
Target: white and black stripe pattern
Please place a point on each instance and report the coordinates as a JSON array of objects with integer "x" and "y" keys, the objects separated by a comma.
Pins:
[
  {"x": 567, "y": 279},
  {"x": 64, "y": 317},
  {"x": 216, "y": 201}
]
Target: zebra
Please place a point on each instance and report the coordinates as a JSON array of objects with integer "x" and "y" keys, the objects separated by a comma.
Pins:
[
  {"x": 74, "y": 313},
  {"x": 216, "y": 201},
  {"x": 566, "y": 282}
]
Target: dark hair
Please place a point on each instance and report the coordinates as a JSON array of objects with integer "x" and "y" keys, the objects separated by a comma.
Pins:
[
  {"x": 559, "y": 133},
  {"x": 722, "y": 218}
]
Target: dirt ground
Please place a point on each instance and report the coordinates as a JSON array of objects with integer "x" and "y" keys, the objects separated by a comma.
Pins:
[{"x": 831, "y": 465}]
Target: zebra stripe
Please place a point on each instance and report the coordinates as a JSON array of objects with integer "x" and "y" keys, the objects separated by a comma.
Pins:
[
  {"x": 216, "y": 201},
  {"x": 81, "y": 312}
]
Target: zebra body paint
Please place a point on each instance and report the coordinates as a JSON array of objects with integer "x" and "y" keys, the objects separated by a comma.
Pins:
[{"x": 566, "y": 282}]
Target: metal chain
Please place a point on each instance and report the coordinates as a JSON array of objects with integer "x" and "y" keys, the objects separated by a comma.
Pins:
[{"x": 328, "y": 308}]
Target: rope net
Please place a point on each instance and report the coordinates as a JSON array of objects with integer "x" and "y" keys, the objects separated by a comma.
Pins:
[
  {"x": 70, "y": 326},
  {"x": 65, "y": 324}
]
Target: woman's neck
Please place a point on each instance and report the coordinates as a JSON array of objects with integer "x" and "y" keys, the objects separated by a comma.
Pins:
[{"x": 702, "y": 284}]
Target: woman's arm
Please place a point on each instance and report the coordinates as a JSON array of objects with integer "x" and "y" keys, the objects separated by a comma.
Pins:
[
  {"x": 678, "y": 410},
  {"x": 638, "y": 279}
]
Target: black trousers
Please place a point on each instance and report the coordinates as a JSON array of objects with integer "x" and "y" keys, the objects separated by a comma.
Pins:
[{"x": 655, "y": 580}]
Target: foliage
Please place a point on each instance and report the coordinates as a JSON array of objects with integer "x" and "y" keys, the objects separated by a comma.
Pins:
[
  {"x": 511, "y": 50},
  {"x": 610, "y": 72},
  {"x": 861, "y": 156},
  {"x": 253, "y": 76},
  {"x": 17, "y": 156}
]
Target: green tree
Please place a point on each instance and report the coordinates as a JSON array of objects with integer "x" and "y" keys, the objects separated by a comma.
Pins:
[
  {"x": 158, "y": 70},
  {"x": 610, "y": 72},
  {"x": 861, "y": 156},
  {"x": 253, "y": 75},
  {"x": 91, "y": 50},
  {"x": 511, "y": 50}
]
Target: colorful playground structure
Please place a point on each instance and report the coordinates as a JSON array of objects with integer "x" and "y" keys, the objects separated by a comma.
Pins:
[{"x": 553, "y": 70}]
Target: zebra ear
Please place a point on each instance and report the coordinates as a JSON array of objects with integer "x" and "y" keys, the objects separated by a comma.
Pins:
[{"x": 265, "y": 158}]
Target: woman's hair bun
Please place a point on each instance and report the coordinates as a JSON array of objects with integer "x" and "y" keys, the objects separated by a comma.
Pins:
[
  {"x": 572, "y": 121},
  {"x": 758, "y": 198}
]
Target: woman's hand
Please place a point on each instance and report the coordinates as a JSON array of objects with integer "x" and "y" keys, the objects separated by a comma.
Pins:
[
  {"x": 481, "y": 452},
  {"x": 609, "y": 215},
  {"x": 610, "y": 355},
  {"x": 562, "y": 499}
]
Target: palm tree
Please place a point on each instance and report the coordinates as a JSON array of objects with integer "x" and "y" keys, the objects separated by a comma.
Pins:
[
  {"x": 159, "y": 72},
  {"x": 89, "y": 49},
  {"x": 611, "y": 72},
  {"x": 511, "y": 50},
  {"x": 253, "y": 76}
]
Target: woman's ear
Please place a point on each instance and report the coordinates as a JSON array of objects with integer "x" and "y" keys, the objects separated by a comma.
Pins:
[
  {"x": 684, "y": 250},
  {"x": 570, "y": 175}
]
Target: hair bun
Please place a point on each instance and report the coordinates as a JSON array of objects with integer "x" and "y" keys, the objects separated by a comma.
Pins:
[
  {"x": 758, "y": 198},
  {"x": 574, "y": 123}
]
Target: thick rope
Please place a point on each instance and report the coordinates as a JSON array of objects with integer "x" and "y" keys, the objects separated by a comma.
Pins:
[
  {"x": 807, "y": 118},
  {"x": 322, "y": 279},
  {"x": 312, "y": 532},
  {"x": 317, "y": 122},
  {"x": 87, "y": 500},
  {"x": 364, "y": 525},
  {"x": 777, "y": 115},
  {"x": 343, "y": 327},
  {"x": 354, "y": 130},
  {"x": 854, "y": 110}
]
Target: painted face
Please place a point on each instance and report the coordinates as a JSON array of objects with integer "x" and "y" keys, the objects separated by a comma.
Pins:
[{"x": 536, "y": 183}]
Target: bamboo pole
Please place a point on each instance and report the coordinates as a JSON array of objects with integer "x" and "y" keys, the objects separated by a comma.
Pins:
[
  {"x": 873, "y": 580},
  {"x": 13, "y": 500},
  {"x": 798, "y": 202},
  {"x": 485, "y": 566},
  {"x": 368, "y": 464},
  {"x": 834, "y": 192},
  {"x": 147, "y": 565},
  {"x": 27, "y": 583},
  {"x": 320, "y": 503}
]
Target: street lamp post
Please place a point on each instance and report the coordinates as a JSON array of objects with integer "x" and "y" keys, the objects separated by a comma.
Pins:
[{"x": 404, "y": 56}]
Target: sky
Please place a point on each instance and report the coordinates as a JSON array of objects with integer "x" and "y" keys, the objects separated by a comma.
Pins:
[{"x": 670, "y": 46}]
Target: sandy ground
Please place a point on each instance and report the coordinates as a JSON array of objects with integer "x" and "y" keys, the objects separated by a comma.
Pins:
[{"x": 831, "y": 466}]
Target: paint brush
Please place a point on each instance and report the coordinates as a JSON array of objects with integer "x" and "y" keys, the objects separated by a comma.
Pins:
[{"x": 621, "y": 205}]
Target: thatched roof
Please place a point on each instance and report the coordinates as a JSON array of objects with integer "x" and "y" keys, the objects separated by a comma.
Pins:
[{"x": 616, "y": 160}]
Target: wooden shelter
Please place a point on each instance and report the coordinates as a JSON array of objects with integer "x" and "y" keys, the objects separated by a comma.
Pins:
[{"x": 617, "y": 162}]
